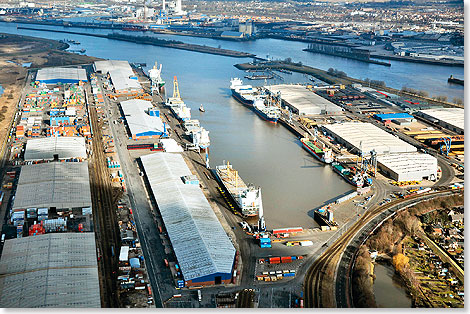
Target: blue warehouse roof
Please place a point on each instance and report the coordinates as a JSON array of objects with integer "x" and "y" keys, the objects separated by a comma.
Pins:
[{"x": 393, "y": 116}]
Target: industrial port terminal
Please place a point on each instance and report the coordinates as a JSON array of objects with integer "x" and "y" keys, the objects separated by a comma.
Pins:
[{"x": 154, "y": 220}]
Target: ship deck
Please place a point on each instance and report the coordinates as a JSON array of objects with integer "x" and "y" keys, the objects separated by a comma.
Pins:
[{"x": 232, "y": 182}]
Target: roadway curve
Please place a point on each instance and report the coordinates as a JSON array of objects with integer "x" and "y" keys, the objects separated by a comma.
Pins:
[{"x": 323, "y": 270}]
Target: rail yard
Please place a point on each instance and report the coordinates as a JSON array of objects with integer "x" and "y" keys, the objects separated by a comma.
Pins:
[{"x": 170, "y": 228}]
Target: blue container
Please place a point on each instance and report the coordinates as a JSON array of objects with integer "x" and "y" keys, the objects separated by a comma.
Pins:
[
  {"x": 293, "y": 257},
  {"x": 289, "y": 275},
  {"x": 180, "y": 283}
]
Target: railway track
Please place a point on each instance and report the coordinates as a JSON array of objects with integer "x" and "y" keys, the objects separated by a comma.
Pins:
[
  {"x": 323, "y": 269},
  {"x": 104, "y": 214}
]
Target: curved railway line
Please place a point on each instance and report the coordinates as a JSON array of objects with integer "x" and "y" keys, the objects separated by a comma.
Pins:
[
  {"x": 104, "y": 214},
  {"x": 324, "y": 268}
]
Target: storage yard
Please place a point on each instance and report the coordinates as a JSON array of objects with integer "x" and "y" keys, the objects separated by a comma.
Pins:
[{"x": 97, "y": 156}]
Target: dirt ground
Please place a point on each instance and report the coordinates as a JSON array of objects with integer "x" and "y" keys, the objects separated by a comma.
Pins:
[{"x": 15, "y": 50}]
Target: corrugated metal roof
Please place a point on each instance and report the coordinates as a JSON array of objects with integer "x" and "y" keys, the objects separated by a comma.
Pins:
[
  {"x": 106, "y": 65},
  {"x": 51, "y": 270},
  {"x": 201, "y": 245},
  {"x": 452, "y": 116},
  {"x": 45, "y": 148},
  {"x": 411, "y": 162},
  {"x": 305, "y": 101},
  {"x": 121, "y": 80},
  {"x": 138, "y": 120},
  {"x": 61, "y": 74},
  {"x": 370, "y": 136},
  {"x": 409, "y": 166},
  {"x": 54, "y": 184},
  {"x": 120, "y": 71},
  {"x": 391, "y": 116}
]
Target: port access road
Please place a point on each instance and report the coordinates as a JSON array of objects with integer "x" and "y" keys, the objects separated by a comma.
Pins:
[{"x": 323, "y": 286}]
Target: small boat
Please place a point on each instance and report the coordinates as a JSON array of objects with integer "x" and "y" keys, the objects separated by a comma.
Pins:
[{"x": 201, "y": 108}]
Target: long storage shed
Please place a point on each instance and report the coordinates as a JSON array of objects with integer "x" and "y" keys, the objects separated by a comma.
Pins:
[
  {"x": 53, "y": 185},
  {"x": 57, "y": 270},
  {"x": 60, "y": 147},
  {"x": 365, "y": 137},
  {"x": 204, "y": 252}
]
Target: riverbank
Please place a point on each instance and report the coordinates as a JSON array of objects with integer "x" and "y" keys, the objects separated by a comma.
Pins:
[
  {"x": 411, "y": 258},
  {"x": 451, "y": 63},
  {"x": 331, "y": 79},
  {"x": 147, "y": 40},
  {"x": 350, "y": 56}
]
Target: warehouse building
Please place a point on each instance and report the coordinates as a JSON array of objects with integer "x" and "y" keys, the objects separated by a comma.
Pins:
[
  {"x": 304, "y": 102},
  {"x": 50, "y": 148},
  {"x": 365, "y": 137},
  {"x": 449, "y": 118},
  {"x": 54, "y": 185},
  {"x": 50, "y": 270},
  {"x": 143, "y": 120},
  {"x": 121, "y": 74},
  {"x": 61, "y": 75},
  {"x": 408, "y": 167},
  {"x": 204, "y": 252}
]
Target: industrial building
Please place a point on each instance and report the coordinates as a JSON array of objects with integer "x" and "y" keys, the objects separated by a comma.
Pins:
[
  {"x": 50, "y": 270},
  {"x": 50, "y": 148},
  {"x": 143, "y": 119},
  {"x": 204, "y": 252},
  {"x": 450, "y": 118},
  {"x": 61, "y": 75},
  {"x": 408, "y": 167},
  {"x": 54, "y": 185},
  {"x": 304, "y": 102},
  {"x": 121, "y": 74},
  {"x": 365, "y": 137}
]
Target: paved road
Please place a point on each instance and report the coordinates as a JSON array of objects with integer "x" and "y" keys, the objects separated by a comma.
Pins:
[{"x": 152, "y": 247}]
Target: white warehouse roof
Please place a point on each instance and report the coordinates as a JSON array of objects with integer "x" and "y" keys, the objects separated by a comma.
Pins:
[
  {"x": 408, "y": 167},
  {"x": 200, "y": 243},
  {"x": 107, "y": 65},
  {"x": 122, "y": 81},
  {"x": 50, "y": 270},
  {"x": 46, "y": 148},
  {"x": 120, "y": 72},
  {"x": 138, "y": 119},
  {"x": 304, "y": 101},
  {"x": 355, "y": 134},
  {"x": 451, "y": 116},
  {"x": 53, "y": 184},
  {"x": 61, "y": 74}
]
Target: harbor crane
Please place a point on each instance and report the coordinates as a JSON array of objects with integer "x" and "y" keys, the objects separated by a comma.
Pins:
[
  {"x": 445, "y": 149},
  {"x": 176, "y": 90}
]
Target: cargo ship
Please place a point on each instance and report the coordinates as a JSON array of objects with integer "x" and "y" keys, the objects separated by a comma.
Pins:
[
  {"x": 246, "y": 197},
  {"x": 323, "y": 154},
  {"x": 243, "y": 93},
  {"x": 349, "y": 174},
  {"x": 250, "y": 97},
  {"x": 200, "y": 138},
  {"x": 324, "y": 217},
  {"x": 268, "y": 113}
]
